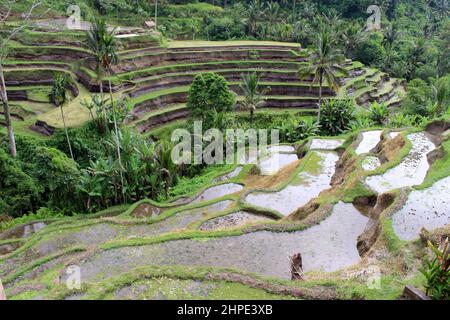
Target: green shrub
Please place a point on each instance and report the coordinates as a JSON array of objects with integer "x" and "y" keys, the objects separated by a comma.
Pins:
[
  {"x": 336, "y": 116},
  {"x": 437, "y": 272},
  {"x": 209, "y": 93},
  {"x": 58, "y": 176},
  {"x": 400, "y": 120},
  {"x": 18, "y": 193},
  {"x": 419, "y": 99},
  {"x": 379, "y": 113}
]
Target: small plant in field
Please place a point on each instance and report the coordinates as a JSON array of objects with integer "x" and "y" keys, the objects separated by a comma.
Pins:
[
  {"x": 437, "y": 272},
  {"x": 399, "y": 120},
  {"x": 336, "y": 116},
  {"x": 307, "y": 128},
  {"x": 379, "y": 113}
]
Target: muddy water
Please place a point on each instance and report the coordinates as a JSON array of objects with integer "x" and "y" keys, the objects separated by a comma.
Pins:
[
  {"x": 91, "y": 235},
  {"x": 229, "y": 176},
  {"x": 370, "y": 163},
  {"x": 326, "y": 144},
  {"x": 305, "y": 187},
  {"x": 24, "y": 231},
  {"x": 412, "y": 169},
  {"x": 370, "y": 139},
  {"x": 280, "y": 148},
  {"x": 218, "y": 191},
  {"x": 178, "y": 221},
  {"x": 329, "y": 246},
  {"x": 429, "y": 209},
  {"x": 275, "y": 162},
  {"x": 394, "y": 134},
  {"x": 234, "y": 220}
]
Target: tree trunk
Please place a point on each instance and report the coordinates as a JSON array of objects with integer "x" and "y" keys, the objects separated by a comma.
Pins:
[
  {"x": 119, "y": 157},
  {"x": 9, "y": 127},
  {"x": 320, "y": 96},
  {"x": 67, "y": 133},
  {"x": 100, "y": 79}
]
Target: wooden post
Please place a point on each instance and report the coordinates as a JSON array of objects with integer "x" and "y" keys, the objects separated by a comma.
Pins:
[{"x": 296, "y": 267}]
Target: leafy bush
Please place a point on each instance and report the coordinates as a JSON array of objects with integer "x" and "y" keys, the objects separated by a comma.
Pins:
[
  {"x": 419, "y": 98},
  {"x": 58, "y": 176},
  {"x": 292, "y": 130},
  {"x": 370, "y": 51},
  {"x": 400, "y": 120},
  {"x": 379, "y": 113},
  {"x": 437, "y": 272},
  {"x": 208, "y": 93},
  {"x": 18, "y": 193},
  {"x": 336, "y": 116}
]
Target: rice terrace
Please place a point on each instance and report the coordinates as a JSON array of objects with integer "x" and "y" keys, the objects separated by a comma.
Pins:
[{"x": 344, "y": 194}]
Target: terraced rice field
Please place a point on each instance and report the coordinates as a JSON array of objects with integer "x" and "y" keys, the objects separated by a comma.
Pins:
[{"x": 156, "y": 78}]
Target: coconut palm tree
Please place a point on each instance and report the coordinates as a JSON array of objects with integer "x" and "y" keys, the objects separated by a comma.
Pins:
[
  {"x": 107, "y": 57},
  {"x": 252, "y": 97},
  {"x": 255, "y": 10},
  {"x": 324, "y": 65},
  {"x": 351, "y": 37},
  {"x": 273, "y": 12},
  {"x": 95, "y": 39},
  {"x": 441, "y": 94},
  {"x": 58, "y": 96}
]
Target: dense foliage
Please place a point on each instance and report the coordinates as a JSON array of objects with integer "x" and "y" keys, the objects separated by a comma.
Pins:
[{"x": 209, "y": 94}]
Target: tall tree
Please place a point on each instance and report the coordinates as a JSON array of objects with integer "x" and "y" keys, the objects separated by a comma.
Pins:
[
  {"x": 324, "y": 65},
  {"x": 252, "y": 97},
  {"x": 6, "y": 7},
  {"x": 255, "y": 10},
  {"x": 58, "y": 96},
  {"x": 103, "y": 41},
  {"x": 95, "y": 36}
]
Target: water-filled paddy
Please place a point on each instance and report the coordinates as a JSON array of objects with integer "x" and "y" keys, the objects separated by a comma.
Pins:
[
  {"x": 328, "y": 246},
  {"x": 305, "y": 187},
  {"x": 412, "y": 169},
  {"x": 429, "y": 209},
  {"x": 370, "y": 139}
]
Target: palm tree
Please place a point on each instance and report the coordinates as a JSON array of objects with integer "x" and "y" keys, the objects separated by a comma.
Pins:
[
  {"x": 255, "y": 10},
  {"x": 324, "y": 65},
  {"x": 390, "y": 35},
  {"x": 416, "y": 55},
  {"x": 351, "y": 37},
  {"x": 95, "y": 37},
  {"x": 441, "y": 93},
  {"x": 58, "y": 96},
  {"x": 252, "y": 97},
  {"x": 273, "y": 11},
  {"x": 106, "y": 56}
]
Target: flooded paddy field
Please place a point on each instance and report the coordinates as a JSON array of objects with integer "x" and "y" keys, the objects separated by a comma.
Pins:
[
  {"x": 428, "y": 208},
  {"x": 412, "y": 169},
  {"x": 305, "y": 187},
  {"x": 328, "y": 246}
]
